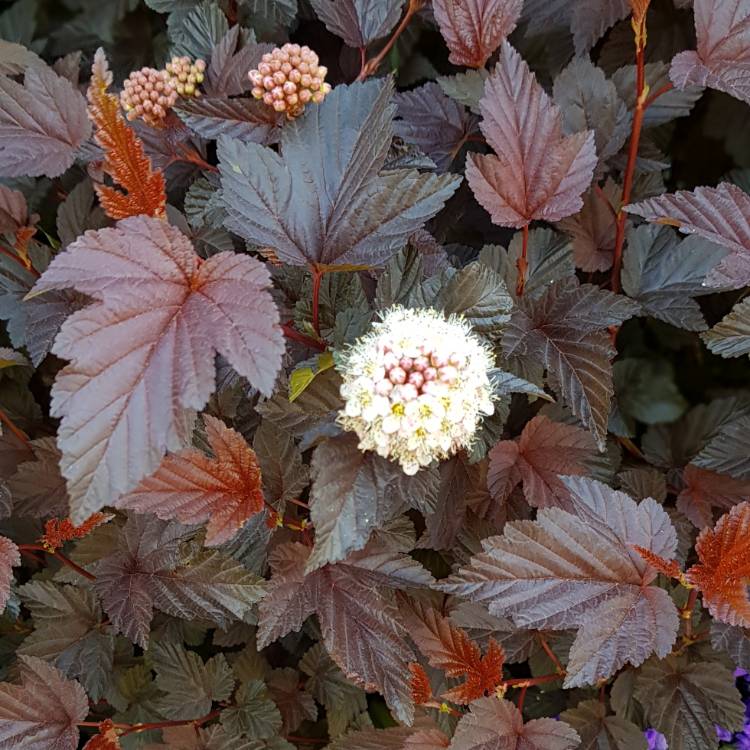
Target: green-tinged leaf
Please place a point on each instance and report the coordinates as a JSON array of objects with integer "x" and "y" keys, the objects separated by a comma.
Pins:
[
  {"x": 358, "y": 22},
  {"x": 202, "y": 28},
  {"x": 684, "y": 701},
  {"x": 734, "y": 641},
  {"x": 343, "y": 701},
  {"x": 646, "y": 390},
  {"x": 729, "y": 451},
  {"x": 466, "y": 88},
  {"x": 480, "y": 295},
  {"x": 254, "y": 713},
  {"x": 190, "y": 685},
  {"x": 400, "y": 282},
  {"x": 598, "y": 731},
  {"x": 283, "y": 473},
  {"x": 68, "y": 632},
  {"x": 304, "y": 374},
  {"x": 354, "y": 493},
  {"x": 664, "y": 273},
  {"x": 549, "y": 255}
]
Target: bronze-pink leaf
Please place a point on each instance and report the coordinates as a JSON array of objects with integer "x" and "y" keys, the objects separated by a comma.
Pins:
[{"x": 536, "y": 171}]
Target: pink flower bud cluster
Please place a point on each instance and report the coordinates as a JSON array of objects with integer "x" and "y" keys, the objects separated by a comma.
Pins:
[
  {"x": 288, "y": 78},
  {"x": 148, "y": 95},
  {"x": 416, "y": 387},
  {"x": 185, "y": 75}
]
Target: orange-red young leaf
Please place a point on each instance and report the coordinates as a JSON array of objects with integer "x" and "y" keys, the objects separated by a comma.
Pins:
[
  {"x": 723, "y": 572},
  {"x": 670, "y": 568},
  {"x": 58, "y": 531},
  {"x": 191, "y": 487},
  {"x": 125, "y": 160},
  {"x": 419, "y": 683},
  {"x": 449, "y": 648}
]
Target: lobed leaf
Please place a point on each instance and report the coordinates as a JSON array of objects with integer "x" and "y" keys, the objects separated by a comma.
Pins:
[
  {"x": 537, "y": 173},
  {"x": 43, "y": 711},
  {"x": 724, "y": 566},
  {"x": 723, "y": 51},
  {"x": 142, "y": 353},
  {"x": 474, "y": 29},
  {"x": 190, "y": 487},
  {"x": 324, "y": 199},
  {"x": 42, "y": 124},
  {"x": 578, "y": 570}
]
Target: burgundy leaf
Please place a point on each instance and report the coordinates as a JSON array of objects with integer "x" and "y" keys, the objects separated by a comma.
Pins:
[
  {"x": 42, "y": 124},
  {"x": 496, "y": 724},
  {"x": 473, "y": 29},
  {"x": 545, "y": 450},
  {"x": 438, "y": 125},
  {"x": 722, "y": 58},
  {"x": 358, "y": 619},
  {"x": 720, "y": 215},
  {"x": 358, "y": 22},
  {"x": 42, "y": 712},
  {"x": 147, "y": 570},
  {"x": 14, "y": 213},
  {"x": 705, "y": 490},
  {"x": 579, "y": 570},
  {"x": 143, "y": 353},
  {"x": 190, "y": 487},
  {"x": 565, "y": 330},
  {"x": 538, "y": 173},
  {"x": 37, "y": 487},
  {"x": 593, "y": 228}
]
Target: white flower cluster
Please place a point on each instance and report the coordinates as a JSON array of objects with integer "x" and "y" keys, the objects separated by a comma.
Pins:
[{"x": 416, "y": 387}]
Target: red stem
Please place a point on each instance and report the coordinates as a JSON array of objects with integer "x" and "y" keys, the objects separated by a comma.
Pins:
[
  {"x": 17, "y": 431},
  {"x": 372, "y": 65},
  {"x": 59, "y": 555},
  {"x": 301, "y": 338},
  {"x": 663, "y": 90},
  {"x": 686, "y": 613},
  {"x": 522, "y": 264},
  {"x": 521, "y": 697},
  {"x": 317, "y": 277},
  {"x": 521, "y": 682},
  {"x": 627, "y": 185},
  {"x": 547, "y": 650}
]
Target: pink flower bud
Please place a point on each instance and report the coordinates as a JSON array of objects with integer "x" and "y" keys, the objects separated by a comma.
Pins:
[
  {"x": 397, "y": 375},
  {"x": 257, "y": 92},
  {"x": 275, "y": 65},
  {"x": 305, "y": 96},
  {"x": 318, "y": 97},
  {"x": 279, "y": 105},
  {"x": 304, "y": 68},
  {"x": 295, "y": 76},
  {"x": 421, "y": 363},
  {"x": 268, "y": 98},
  {"x": 277, "y": 93},
  {"x": 267, "y": 57},
  {"x": 268, "y": 83},
  {"x": 292, "y": 99},
  {"x": 264, "y": 69},
  {"x": 286, "y": 68},
  {"x": 289, "y": 88},
  {"x": 406, "y": 363},
  {"x": 430, "y": 373},
  {"x": 279, "y": 78},
  {"x": 416, "y": 379},
  {"x": 439, "y": 360}
]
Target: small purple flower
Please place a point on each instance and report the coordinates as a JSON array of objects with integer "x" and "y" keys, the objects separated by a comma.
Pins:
[
  {"x": 723, "y": 734},
  {"x": 656, "y": 740}
]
